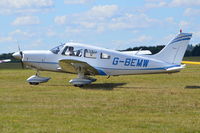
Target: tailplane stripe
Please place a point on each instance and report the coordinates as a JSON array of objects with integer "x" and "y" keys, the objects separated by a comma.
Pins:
[
  {"x": 180, "y": 40},
  {"x": 182, "y": 37}
]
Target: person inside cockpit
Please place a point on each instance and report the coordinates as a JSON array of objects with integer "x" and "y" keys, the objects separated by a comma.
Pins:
[{"x": 71, "y": 51}]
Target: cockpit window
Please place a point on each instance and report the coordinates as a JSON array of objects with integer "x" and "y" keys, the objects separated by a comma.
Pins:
[
  {"x": 57, "y": 49},
  {"x": 72, "y": 51}
]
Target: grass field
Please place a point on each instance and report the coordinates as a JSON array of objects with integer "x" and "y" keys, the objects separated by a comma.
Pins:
[{"x": 125, "y": 104}]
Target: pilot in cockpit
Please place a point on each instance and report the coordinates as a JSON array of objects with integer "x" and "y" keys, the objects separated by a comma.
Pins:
[{"x": 71, "y": 51}]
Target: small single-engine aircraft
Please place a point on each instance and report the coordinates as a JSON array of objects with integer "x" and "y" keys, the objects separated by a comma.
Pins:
[
  {"x": 85, "y": 61},
  {"x": 4, "y": 61}
]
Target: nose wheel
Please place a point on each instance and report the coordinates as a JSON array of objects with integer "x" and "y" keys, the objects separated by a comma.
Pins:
[{"x": 36, "y": 79}]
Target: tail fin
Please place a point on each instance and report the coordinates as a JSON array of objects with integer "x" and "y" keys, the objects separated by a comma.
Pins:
[{"x": 173, "y": 52}]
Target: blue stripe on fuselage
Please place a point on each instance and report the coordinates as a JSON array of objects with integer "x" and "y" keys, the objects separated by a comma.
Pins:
[
  {"x": 101, "y": 72},
  {"x": 40, "y": 62},
  {"x": 160, "y": 68}
]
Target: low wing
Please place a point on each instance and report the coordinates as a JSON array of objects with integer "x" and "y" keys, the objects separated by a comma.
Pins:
[
  {"x": 74, "y": 66},
  {"x": 3, "y": 61},
  {"x": 191, "y": 62}
]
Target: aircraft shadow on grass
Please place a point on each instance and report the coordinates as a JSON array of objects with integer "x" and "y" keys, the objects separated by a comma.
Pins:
[
  {"x": 111, "y": 86},
  {"x": 103, "y": 86},
  {"x": 192, "y": 87},
  {"x": 98, "y": 86}
]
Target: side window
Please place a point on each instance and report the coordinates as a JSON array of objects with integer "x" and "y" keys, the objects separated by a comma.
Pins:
[
  {"x": 90, "y": 53},
  {"x": 105, "y": 56},
  {"x": 71, "y": 51}
]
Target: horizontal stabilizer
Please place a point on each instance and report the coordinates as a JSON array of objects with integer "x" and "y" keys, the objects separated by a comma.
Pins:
[{"x": 174, "y": 69}]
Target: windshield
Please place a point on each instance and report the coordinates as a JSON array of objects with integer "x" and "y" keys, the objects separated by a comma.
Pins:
[{"x": 57, "y": 49}]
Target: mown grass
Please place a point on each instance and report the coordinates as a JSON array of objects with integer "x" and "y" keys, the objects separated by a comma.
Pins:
[
  {"x": 125, "y": 104},
  {"x": 10, "y": 66}
]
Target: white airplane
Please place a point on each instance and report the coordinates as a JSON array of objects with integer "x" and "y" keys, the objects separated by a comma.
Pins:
[
  {"x": 4, "y": 61},
  {"x": 85, "y": 61}
]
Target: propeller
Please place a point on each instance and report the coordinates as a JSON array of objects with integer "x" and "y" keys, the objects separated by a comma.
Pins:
[{"x": 21, "y": 54}]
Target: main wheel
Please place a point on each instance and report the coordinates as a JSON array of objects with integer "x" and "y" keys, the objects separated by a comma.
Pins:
[{"x": 33, "y": 83}]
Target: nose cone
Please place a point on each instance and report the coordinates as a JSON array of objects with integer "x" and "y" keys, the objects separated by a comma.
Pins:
[{"x": 17, "y": 55}]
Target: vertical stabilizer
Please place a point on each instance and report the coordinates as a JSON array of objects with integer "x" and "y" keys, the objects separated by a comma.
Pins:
[{"x": 173, "y": 52}]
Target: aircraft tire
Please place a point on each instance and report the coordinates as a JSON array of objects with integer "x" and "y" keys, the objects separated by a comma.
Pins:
[{"x": 33, "y": 83}]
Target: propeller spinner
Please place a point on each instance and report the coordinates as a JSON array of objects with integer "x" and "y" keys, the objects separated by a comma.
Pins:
[{"x": 19, "y": 56}]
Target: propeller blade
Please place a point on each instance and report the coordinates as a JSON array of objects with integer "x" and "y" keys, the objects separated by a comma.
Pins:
[
  {"x": 21, "y": 60},
  {"x": 19, "y": 48},
  {"x": 22, "y": 64},
  {"x": 21, "y": 53}
]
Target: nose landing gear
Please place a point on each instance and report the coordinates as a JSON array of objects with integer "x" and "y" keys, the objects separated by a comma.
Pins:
[{"x": 36, "y": 79}]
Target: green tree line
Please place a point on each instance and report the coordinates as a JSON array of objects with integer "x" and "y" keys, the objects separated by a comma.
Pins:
[
  {"x": 8, "y": 56},
  {"x": 191, "y": 50}
]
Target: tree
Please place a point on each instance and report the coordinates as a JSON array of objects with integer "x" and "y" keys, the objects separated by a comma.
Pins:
[
  {"x": 196, "y": 50},
  {"x": 8, "y": 56},
  {"x": 153, "y": 49}
]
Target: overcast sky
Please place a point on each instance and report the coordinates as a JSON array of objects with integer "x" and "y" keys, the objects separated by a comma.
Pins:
[{"x": 114, "y": 24}]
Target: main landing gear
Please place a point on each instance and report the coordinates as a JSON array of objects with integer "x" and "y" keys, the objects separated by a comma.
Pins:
[
  {"x": 80, "y": 82},
  {"x": 82, "y": 79},
  {"x": 36, "y": 79}
]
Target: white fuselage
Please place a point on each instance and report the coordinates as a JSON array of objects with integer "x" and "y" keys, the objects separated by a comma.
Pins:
[{"x": 117, "y": 63}]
